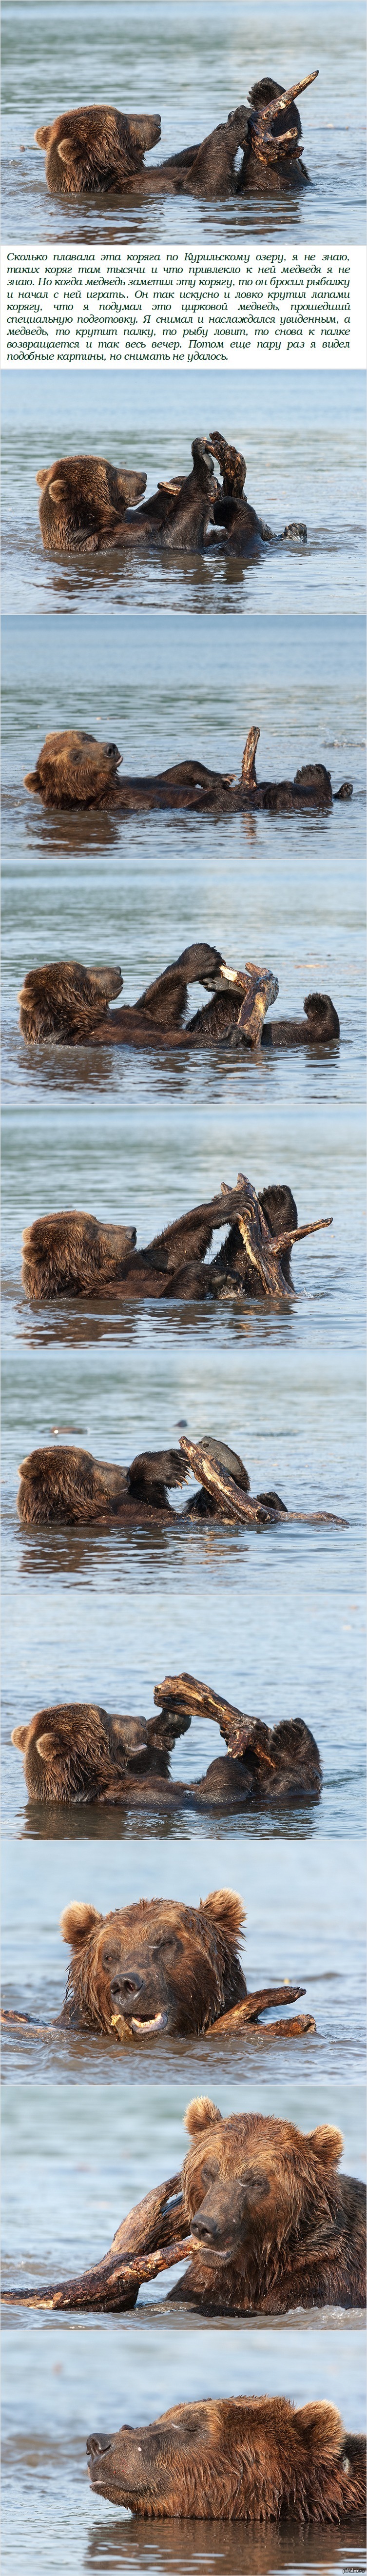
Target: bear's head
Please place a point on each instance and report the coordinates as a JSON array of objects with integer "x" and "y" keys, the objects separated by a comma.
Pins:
[
  {"x": 70, "y": 1253},
  {"x": 78, "y": 1752},
  {"x": 66, "y": 1001},
  {"x": 73, "y": 769},
  {"x": 68, "y": 1486},
  {"x": 84, "y": 495},
  {"x": 94, "y": 150},
  {"x": 233, "y": 2459},
  {"x": 156, "y": 1966},
  {"x": 252, "y": 2183}
]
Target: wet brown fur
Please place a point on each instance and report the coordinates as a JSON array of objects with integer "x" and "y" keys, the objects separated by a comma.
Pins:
[
  {"x": 152, "y": 1957},
  {"x": 235, "y": 2459},
  {"x": 277, "y": 2226},
  {"x": 73, "y": 770}
]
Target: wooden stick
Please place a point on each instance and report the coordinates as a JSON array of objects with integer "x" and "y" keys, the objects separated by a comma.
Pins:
[
  {"x": 244, "y": 2014},
  {"x": 273, "y": 105},
  {"x": 112, "y": 2287},
  {"x": 222, "y": 1487},
  {"x": 257, "y": 1514},
  {"x": 296, "y": 1232},
  {"x": 238, "y": 1730},
  {"x": 138, "y": 2252}
]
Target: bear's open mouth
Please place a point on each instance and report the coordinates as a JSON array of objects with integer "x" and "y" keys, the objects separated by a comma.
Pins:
[{"x": 156, "y": 2021}]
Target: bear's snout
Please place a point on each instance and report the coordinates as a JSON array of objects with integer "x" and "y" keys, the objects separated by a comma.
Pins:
[
  {"x": 124, "y": 1989},
  {"x": 221, "y": 2223}
]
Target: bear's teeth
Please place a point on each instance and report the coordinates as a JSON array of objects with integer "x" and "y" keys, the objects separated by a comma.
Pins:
[{"x": 157, "y": 2022}]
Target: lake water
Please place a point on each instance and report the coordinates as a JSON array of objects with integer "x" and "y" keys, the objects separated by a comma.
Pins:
[
  {"x": 303, "y": 438},
  {"x": 304, "y": 1922},
  {"x": 192, "y": 65},
  {"x": 54, "y": 2520},
  {"x": 66, "y": 2191},
  {"x": 108, "y": 1615}
]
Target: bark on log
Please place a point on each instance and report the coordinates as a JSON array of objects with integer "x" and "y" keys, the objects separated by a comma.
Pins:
[
  {"x": 147, "y": 2242},
  {"x": 243, "y": 2015},
  {"x": 223, "y": 1489},
  {"x": 244, "y": 1507},
  {"x": 237, "y": 1729}
]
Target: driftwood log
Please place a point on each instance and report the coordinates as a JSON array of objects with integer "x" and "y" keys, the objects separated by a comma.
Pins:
[
  {"x": 246, "y": 1507},
  {"x": 266, "y": 144},
  {"x": 239, "y": 2017},
  {"x": 263, "y": 1248},
  {"x": 195, "y": 1699},
  {"x": 146, "y": 2243}
]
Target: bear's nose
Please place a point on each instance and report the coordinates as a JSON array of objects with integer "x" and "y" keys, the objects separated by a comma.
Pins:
[
  {"x": 126, "y": 1986},
  {"x": 209, "y": 2229},
  {"x": 113, "y": 750}
]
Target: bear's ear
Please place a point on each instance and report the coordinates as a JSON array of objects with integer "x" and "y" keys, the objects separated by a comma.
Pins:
[
  {"x": 323, "y": 2429},
  {"x": 77, "y": 1922},
  {"x": 56, "y": 490},
  {"x": 327, "y": 2145},
  {"x": 66, "y": 150},
  {"x": 46, "y": 1744},
  {"x": 31, "y": 780},
  {"x": 19, "y": 1736},
  {"x": 226, "y": 1911},
  {"x": 201, "y": 2114},
  {"x": 42, "y": 136},
  {"x": 42, "y": 476}
]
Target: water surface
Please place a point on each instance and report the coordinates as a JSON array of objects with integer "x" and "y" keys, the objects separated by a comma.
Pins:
[
  {"x": 192, "y": 65},
  {"x": 303, "y": 439}
]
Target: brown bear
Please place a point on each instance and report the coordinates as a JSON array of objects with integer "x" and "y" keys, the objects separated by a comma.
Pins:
[
  {"x": 276, "y": 2226},
  {"x": 72, "y": 1254},
  {"x": 83, "y": 504},
  {"x": 73, "y": 770},
  {"x": 69, "y": 1004},
  {"x": 154, "y": 1966},
  {"x": 234, "y": 2459},
  {"x": 98, "y": 151},
  {"x": 84, "y": 507},
  {"x": 79, "y": 1754},
  {"x": 73, "y": 1754},
  {"x": 161, "y": 1966},
  {"x": 70, "y": 1487}
]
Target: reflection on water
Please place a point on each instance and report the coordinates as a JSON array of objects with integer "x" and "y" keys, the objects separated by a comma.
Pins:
[
  {"x": 304, "y": 1922},
  {"x": 51, "y": 2409},
  {"x": 193, "y": 67},
  {"x": 140, "y": 1140},
  {"x": 303, "y": 438}
]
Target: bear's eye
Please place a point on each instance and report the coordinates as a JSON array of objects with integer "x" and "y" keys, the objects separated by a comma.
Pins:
[
  {"x": 208, "y": 2174},
  {"x": 109, "y": 1959}
]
